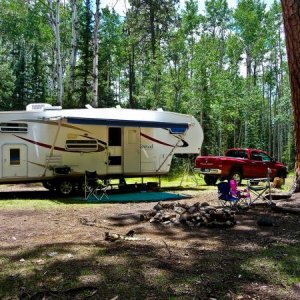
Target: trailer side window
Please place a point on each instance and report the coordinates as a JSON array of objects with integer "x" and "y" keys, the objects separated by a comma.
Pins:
[
  {"x": 81, "y": 145},
  {"x": 14, "y": 127},
  {"x": 177, "y": 130},
  {"x": 14, "y": 156},
  {"x": 114, "y": 136},
  {"x": 114, "y": 160}
]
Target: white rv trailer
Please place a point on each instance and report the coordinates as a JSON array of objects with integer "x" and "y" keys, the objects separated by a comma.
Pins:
[{"x": 56, "y": 146}]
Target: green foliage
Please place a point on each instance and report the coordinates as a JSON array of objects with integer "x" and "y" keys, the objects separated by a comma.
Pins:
[
  {"x": 7, "y": 85},
  {"x": 112, "y": 57},
  {"x": 227, "y": 67}
]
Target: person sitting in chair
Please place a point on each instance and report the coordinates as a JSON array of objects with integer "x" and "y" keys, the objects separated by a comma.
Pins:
[{"x": 235, "y": 192}]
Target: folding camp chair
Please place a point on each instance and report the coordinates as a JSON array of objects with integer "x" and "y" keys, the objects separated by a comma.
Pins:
[
  {"x": 93, "y": 188},
  {"x": 258, "y": 188},
  {"x": 230, "y": 196}
]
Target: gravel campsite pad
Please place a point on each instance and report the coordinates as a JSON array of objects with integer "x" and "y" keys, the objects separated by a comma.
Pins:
[{"x": 107, "y": 251}]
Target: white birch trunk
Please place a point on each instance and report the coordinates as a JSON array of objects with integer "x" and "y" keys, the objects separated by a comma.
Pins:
[
  {"x": 59, "y": 60},
  {"x": 73, "y": 45},
  {"x": 95, "y": 55},
  {"x": 55, "y": 23}
]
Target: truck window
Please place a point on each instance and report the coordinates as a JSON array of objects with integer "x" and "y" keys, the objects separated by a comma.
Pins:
[
  {"x": 231, "y": 153},
  {"x": 237, "y": 153},
  {"x": 265, "y": 157},
  {"x": 257, "y": 156}
]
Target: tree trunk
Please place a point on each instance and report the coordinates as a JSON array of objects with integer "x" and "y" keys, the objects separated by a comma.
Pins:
[
  {"x": 55, "y": 23},
  {"x": 131, "y": 77},
  {"x": 95, "y": 55},
  {"x": 291, "y": 18},
  {"x": 74, "y": 46},
  {"x": 59, "y": 60},
  {"x": 152, "y": 29}
]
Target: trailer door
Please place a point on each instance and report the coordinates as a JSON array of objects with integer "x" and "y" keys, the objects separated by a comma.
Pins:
[
  {"x": 14, "y": 160},
  {"x": 115, "y": 151},
  {"x": 132, "y": 150}
]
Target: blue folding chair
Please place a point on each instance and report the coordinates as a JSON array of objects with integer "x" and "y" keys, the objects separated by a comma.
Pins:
[
  {"x": 225, "y": 196},
  {"x": 230, "y": 196}
]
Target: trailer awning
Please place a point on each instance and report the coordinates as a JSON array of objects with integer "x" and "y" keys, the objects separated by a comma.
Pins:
[{"x": 172, "y": 126}]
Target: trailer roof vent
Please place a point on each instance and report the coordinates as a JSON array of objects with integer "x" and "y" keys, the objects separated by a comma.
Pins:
[
  {"x": 38, "y": 106},
  {"x": 41, "y": 107}
]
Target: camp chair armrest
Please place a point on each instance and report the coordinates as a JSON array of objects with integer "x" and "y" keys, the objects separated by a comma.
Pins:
[{"x": 256, "y": 188}]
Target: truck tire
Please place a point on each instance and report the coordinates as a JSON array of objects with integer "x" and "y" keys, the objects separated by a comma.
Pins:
[
  {"x": 65, "y": 187},
  {"x": 210, "y": 180},
  {"x": 237, "y": 176}
]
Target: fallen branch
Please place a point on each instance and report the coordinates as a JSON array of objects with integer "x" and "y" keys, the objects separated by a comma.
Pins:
[
  {"x": 170, "y": 253},
  {"x": 291, "y": 210},
  {"x": 279, "y": 196},
  {"x": 112, "y": 237}
]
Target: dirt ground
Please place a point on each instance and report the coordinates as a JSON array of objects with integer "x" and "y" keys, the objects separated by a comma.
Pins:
[{"x": 62, "y": 253}]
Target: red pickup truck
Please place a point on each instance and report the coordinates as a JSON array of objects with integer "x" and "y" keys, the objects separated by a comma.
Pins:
[{"x": 238, "y": 164}]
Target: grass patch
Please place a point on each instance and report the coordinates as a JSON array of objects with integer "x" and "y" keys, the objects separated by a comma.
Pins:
[
  {"x": 278, "y": 265},
  {"x": 39, "y": 204},
  {"x": 184, "y": 180},
  {"x": 136, "y": 277}
]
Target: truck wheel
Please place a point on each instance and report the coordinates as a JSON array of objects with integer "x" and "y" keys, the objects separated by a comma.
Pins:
[
  {"x": 210, "y": 180},
  {"x": 237, "y": 176},
  {"x": 65, "y": 187}
]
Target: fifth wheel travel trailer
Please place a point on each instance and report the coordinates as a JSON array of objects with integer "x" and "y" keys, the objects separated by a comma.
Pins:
[{"x": 56, "y": 146}]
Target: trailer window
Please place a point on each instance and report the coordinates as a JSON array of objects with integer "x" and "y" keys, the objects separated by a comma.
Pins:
[
  {"x": 114, "y": 160},
  {"x": 114, "y": 136},
  {"x": 81, "y": 145},
  {"x": 177, "y": 130},
  {"x": 14, "y": 156},
  {"x": 14, "y": 127}
]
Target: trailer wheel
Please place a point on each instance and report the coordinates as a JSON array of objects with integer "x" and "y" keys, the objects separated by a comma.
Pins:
[
  {"x": 81, "y": 187},
  {"x": 49, "y": 185},
  {"x": 65, "y": 187},
  {"x": 210, "y": 180}
]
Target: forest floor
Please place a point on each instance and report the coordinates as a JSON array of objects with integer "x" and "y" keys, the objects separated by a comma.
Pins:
[{"x": 50, "y": 253}]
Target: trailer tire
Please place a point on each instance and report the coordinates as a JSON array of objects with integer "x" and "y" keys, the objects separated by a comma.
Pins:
[
  {"x": 65, "y": 187},
  {"x": 237, "y": 176},
  {"x": 210, "y": 180},
  {"x": 81, "y": 187},
  {"x": 49, "y": 185}
]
